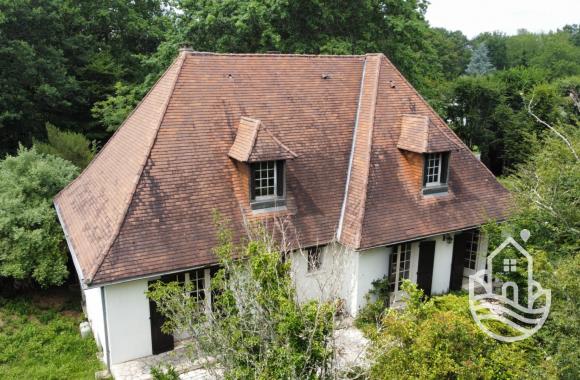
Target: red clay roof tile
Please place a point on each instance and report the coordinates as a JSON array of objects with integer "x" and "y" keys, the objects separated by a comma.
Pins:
[{"x": 144, "y": 205}]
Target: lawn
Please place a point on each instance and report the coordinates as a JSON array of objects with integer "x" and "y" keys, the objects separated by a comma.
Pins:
[{"x": 40, "y": 339}]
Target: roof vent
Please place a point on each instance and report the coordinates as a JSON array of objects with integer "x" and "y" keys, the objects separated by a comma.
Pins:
[{"x": 325, "y": 76}]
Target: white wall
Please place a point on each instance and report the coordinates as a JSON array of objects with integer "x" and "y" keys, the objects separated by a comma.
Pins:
[
  {"x": 442, "y": 266},
  {"x": 129, "y": 328},
  {"x": 94, "y": 310},
  {"x": 373, "y": 265},
  {"x": 336, "y": 278}
]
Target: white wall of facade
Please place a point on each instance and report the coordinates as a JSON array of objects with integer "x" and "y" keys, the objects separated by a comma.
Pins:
[
  {"x": 94, "y": 311},
  {"x": 373, "y": 265},
  {"x": 442, "y": 266},
  {"x": 336, "y": 278},
  {"x": 129, "y": 328}
]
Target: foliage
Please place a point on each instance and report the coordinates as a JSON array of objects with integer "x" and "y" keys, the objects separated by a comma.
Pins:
[
  {"x": 255, "y": 328},
  {"x": 547, "y": 190},
  {"x": 66, "y": 55},
  {"x": 31, "y": 239},
  {"x": 43, "y": 342},
  {"x": 71, "y": 146},
  {"x": 479, "y": 63},
  {"x": 167, "y": 373},
  {"x": 438, "y": 339}
]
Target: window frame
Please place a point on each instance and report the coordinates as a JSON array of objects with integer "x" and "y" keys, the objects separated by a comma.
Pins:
[
  {"x": 398, "y": 273},
  {"x": 316, "y": 264},
  {"x": 472, "y": 246},
  {"x": 278, "y": 197},
  {"x": 441, "y": 166}
]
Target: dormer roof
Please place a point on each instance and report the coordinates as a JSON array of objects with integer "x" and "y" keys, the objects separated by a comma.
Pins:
[
  {"x": 421, "y": 135},
  {"x": 254, "y": 143}
]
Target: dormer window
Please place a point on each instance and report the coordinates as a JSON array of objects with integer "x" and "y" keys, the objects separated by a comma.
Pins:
[
  {"x": 435, "y": 172},
  {"x": 267, "y": 184}
]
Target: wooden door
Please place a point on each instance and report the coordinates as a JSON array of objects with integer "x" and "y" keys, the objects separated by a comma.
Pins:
[
  {"x": 459, "y": 250},
  {"x": 160, "y": 341},
  {"x": 425, "y": 270}
]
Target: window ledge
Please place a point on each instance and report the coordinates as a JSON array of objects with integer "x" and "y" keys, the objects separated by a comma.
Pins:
[
  {"x": 269, "y": 204},
  {"x": 436, "y": 190}
]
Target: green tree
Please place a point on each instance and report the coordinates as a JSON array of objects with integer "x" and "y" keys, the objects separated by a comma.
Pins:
[
  {"x": 32, "y": 244},
  {"x": 395, "y": 28},
  {"x": 255, "y": 328},
  {"x": 437, "y": 339},
  {"x": 479, "y": 63},
  {"x": 70, "y": 146},
  {"x": 497, "y": 48},
  {"x": 60, "y": 57}
]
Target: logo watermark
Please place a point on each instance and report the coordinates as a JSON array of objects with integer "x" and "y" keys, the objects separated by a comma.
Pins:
[{"x": 510, "y": 313}]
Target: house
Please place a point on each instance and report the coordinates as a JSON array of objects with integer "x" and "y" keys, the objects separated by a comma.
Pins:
[{"x": 342, "y": 148}]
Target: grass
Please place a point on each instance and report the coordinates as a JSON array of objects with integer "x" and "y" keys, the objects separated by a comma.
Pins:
[{"x": 40, "y": 338}]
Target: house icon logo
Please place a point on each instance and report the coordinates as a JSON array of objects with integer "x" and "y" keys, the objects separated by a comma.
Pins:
[{"x": 505, "y": 300}]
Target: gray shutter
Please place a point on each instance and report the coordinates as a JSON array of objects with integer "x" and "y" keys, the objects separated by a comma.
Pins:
[
  {"x": 444, "y": 166},
  {"x": 424, "y": 170},
  {"x": 280, "y": 178},
  {"x": 252, "y": 182}
]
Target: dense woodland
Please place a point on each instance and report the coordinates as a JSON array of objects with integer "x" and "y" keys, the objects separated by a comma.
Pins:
[{"x": 71, "y": 71}]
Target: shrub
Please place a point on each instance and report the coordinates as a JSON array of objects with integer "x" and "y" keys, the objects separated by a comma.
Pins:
[
  {"x": 73, "y": 147},
  {"x": 256, "y": 329},
  {"x": 31, "y": 240},
  {"x": 437, "y": 338}
]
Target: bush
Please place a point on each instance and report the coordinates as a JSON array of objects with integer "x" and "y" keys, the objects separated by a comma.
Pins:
[
  {"x": 438, "y": 339},
  {"x": 73, "y": 147},
  {"x": 32, "y": 243},
  {"x": 256, "y": 329}
]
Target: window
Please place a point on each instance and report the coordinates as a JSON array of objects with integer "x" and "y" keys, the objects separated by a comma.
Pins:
[
  {"x": 194, "y": 280},
  {"x": 399, "y": 266},
  {"x": 267, "y": 184},
  {"x": 471, "y": 249},
  {"x": 314, "y": 255},
  {"x": 435, "y": 172}
]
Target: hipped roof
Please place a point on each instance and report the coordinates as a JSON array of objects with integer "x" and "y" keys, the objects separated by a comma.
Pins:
[
  {"x": 421, "y": 135},
  {"x": 144, "y": 205}
]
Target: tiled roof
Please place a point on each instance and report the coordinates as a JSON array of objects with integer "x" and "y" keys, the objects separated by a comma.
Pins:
[
  {"x": 254, "y": 142},
  {"x": 420, "y": 135},
  {"x": 144, "y": 205}
]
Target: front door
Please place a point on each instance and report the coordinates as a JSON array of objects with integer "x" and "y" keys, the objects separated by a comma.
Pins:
[
  {"x": 160, "y": 341},
  {"x": 425, "y": 269}
]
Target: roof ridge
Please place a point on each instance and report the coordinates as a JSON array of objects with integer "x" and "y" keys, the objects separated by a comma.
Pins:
[
  {"x": 370, "y": 145},
  {"x": 357, "y": 215},
  {"x": 202, "y": 53},
  {"x": 179, "y": 62}
]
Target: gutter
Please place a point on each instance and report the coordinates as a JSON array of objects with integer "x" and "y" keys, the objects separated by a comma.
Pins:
[
  {"x": 106, "y": 328},
  {"x": 70, "y": 247}
]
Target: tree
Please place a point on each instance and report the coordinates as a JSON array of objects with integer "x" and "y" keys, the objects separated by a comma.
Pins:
[
  {"x": 62, "y": 56},
  {"x": 255, "y": 327},
  {"x": 497, "y": 48},
  {"x": 479, "y": 63},
  {"x": 32, "y": 244},
  {"x": 437, "y": 339},
  {"x": 70, "y": 146}
]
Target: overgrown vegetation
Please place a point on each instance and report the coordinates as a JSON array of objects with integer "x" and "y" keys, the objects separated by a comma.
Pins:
[
  {"x": 32, "y": 245},
  {"x": 256, "y": 328},
  {"x": 437, "y": 339},
  {"x": 40, "y": 339}
]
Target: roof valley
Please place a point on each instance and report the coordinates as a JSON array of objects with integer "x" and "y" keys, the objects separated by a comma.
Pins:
[{"x": 352, "y": 217}]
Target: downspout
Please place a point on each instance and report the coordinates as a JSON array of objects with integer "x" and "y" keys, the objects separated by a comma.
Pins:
[
  {"x": 342, "y": 211},
  {"x": 106, "y": 328}
]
